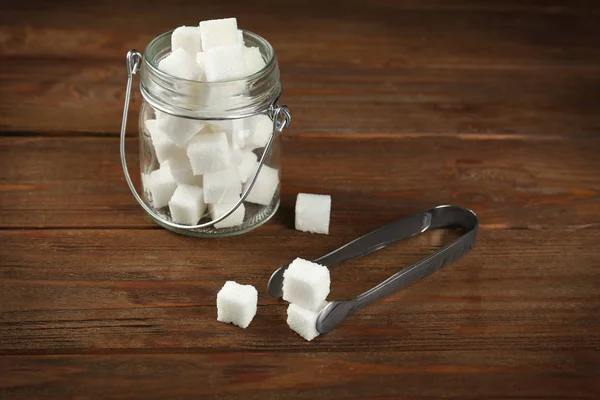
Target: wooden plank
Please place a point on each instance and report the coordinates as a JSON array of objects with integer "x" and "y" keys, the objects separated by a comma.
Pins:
[
  {"x": 80, "y": 290},
  {"x": 46, "y": 96},
  {"x": 356, "y": 375},
  {"x": 380, "y": 33},
  {"x": 78, "y": 182}
]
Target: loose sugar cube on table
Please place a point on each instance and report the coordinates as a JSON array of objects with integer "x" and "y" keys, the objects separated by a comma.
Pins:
[
  {"x": 262, "y": 128},
  {"x": 164, "y": 148},
  {"x": 187, "y": 38},
  {"x": 209, "y": 152},
  {"x": 181, "y": 65},
  {"x": 219, "y": 33},
  {"x": 180, "y": 130},
  {"x": 306, "y": 284},
  {"x": 313, "y": 213},
  {"x": 222, "y": 186},
  {"x": 265, "y": 186},
  {"x": 182, "y": 171},
  {"x": 236, "y": 304},
  {"x": 187, "y": 204},
  {"x": 162, "y": 185},
  {"x": 224, "y": 63},
  {"x": 303, "y": 321},
  {"x": 248, "y": 166},
  {"x": 236, "y": 218},
  {"x": 253, "y": 60}
]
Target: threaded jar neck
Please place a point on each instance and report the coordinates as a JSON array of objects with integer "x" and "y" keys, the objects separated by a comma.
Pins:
[{"x": 209, "y": 100}]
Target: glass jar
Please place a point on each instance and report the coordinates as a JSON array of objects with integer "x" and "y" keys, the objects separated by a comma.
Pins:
[{"x": 207, "y": 149}]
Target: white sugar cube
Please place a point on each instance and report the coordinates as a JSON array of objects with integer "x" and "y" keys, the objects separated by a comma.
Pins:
[
  {"x": 236, "y": 218},
  {"x": 181, "y": 65},
  {"x": 224, "y": 63},
  {"x": 306, "y": 284},
  {"x": 162, "y": 186},
  {"x": 164, "y": 147},
  {"x": 262, "y": 128},
  {"x": 182, "y": 170},
  {"x": 222, "y": 186},
  {"x": 221, "y": 125},
  {"x": 247, "y": 167},
  {"x": 180, "y": 130},
  {"x": 209, "y": 152},
  {"x": 253, "y": 60},
  {"x": 303, "y": 321},
  {"x": 219, "y": 33},
  {"x": 240, "y": 36},
  {"x": 187, "y": 38},
  {"x": 200, "y": 62},
  {"x": 237, "y": 155},
  {"x": 241, "y": 132},
  {"x": 313, "y": 213},
  {"x": 187, "y": 204},
  {"x": 265, "y": 187},
  {"x": 236, "y": 304}
]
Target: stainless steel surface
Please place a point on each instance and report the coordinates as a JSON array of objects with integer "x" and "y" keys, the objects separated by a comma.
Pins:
[{"x": 444, "y": 216}]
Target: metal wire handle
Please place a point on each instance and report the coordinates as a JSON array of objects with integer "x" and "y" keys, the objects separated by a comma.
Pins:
[{"x": 281, "y": 119}]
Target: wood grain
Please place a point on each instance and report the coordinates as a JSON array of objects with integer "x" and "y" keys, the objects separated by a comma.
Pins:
[
  {"x": 84, "y": 97},
  {"x": 380, "y": 33},
  {"x": 397, "y": 106},
  {"x": 72, "y": 290},
  {"x": 353, "y": 375},
  {"x": 509, "y": 183}
]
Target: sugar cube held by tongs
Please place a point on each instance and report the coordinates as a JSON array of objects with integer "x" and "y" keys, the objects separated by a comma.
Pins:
[{"x": 445, "y": 216}]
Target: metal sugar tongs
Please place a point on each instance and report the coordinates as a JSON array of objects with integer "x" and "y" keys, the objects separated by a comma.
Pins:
[{"x": 445, "y": 216}]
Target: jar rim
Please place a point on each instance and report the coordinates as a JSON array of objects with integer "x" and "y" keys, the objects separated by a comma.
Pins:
[
  {"x": 245, "y": 96},
  {"x": 151, "y": 61}
]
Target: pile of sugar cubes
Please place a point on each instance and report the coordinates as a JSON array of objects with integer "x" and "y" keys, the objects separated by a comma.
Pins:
[
  {"x": 206, "y": 165},
  {"x": 305, "y": 284}
]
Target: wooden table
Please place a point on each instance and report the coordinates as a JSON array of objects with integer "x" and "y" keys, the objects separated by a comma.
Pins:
[{"x": 397, "y": 107}]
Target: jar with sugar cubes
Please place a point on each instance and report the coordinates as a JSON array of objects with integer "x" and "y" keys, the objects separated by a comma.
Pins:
[{"x": 209, "y": 129}]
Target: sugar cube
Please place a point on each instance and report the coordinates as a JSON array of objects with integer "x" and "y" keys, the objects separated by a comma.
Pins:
[
  {"x": 162, "y": 186},
  {"x": 247, "y": 167},
  {"x": 313, "y": 213},
  {"x": 187, "y": 38},
  {"x": 182, "y": 171},
  {"x": 241, "y": 132},
  {"x": 201, "y": 64},
  {"x": 240, "y": 34},
  {"x": 236, "y": 304},
  {"x": 262, "y": 128},
  {"x": 237, "y": 155},
  {"x": 253, "y": 60},
  {"x": 265, "y": 187},
  {"x": 303, "y": 321},
  {"x": 306, "y": 284},
  {"x": 180, "y": 130},
  {"x": 224, "y": 63},
  {"x": 209, "y": 152},
  {"x": 187, "y": 204},
  {"x": 219, "y": 33},
  {"x": 164, "y": 147},
  {"x": 236, "y": 218},
  {"x": 222, "y": 186},
  {"x": 181, "y": 65}
]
